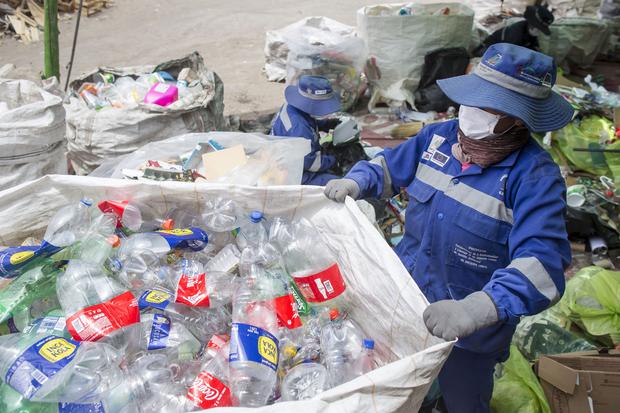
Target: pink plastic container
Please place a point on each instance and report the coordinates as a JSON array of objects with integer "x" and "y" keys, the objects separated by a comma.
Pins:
[{"x": 162, "y": 94}]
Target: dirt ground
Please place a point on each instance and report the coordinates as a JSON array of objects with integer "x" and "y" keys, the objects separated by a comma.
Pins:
[{"x": 230, "y": 35}]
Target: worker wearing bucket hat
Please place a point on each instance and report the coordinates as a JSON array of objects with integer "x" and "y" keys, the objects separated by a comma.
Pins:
[
  {"x": 485, "y": 238},
  {"x": 311, "y": 99}
]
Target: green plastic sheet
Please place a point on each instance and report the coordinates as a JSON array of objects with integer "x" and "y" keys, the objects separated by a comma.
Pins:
[
  {"x": 517, "y": 389},
  {"x": 592, "y": 300}
]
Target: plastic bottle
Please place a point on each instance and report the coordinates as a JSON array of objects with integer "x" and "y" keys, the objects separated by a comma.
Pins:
[
  {"x": 341, "y": 346},
  {"x": 252, "y": 233},
  {"x": 97, "y": 306},
  {"x": 135, "y": 215},
  {"x": 52, "y": 368},
  {"x": 226, "y": 260},
  {"x": 211, "y": 387},
  {"x": 158, "y": 332},
  {"x": 304, "y": 381},
  {"x": 311, "y": 263},
  {"x": 196, "y": 288},
  {"x": 254, "y": 345},
  {"x": 366, "y": 361},
  {"x": 222, "y": 215}
]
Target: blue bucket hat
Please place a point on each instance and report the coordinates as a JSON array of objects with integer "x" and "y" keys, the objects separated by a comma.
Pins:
[
  {"x": 516, "y": 81},
  {"x": 313, "y": 95}
]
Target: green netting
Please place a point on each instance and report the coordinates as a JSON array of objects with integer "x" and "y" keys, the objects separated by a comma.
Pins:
[{"x": 517, "y": 390}]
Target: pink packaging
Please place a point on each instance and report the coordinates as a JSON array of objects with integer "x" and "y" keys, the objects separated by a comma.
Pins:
[{"x": 162, "y": 94}]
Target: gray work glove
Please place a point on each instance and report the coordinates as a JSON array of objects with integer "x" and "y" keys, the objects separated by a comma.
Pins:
[
  {"x": 450, "y": 319},
  {"x": 338, "y": 189}
]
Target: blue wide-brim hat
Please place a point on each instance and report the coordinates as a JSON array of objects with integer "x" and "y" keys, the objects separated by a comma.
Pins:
[
  {"x": 516, "y": 81},
  {"x": 313, "y": 95}
]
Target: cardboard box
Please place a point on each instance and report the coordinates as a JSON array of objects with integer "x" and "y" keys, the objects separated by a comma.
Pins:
[{"x": 581, "y": 382}]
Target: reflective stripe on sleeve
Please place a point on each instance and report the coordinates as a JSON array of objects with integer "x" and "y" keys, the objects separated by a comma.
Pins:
[
  {"x": 536, "y": 273},
  {"x": 316, "y": 165},
  {"x": 387, "y": 178}
]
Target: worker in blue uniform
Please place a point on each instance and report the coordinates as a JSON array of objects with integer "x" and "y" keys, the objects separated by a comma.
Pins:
[
  {"x": 485, "y": 237},
  {"x": 307, "y": 105}
]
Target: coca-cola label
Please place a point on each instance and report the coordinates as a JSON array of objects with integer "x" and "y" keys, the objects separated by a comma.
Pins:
[
  {"x": 39, "y": 363},
  {"x": 323, "y": 286},
  {"x": 208, "y": 392},
  {"x": 217, "y": 342},
  {"x": 97, "y": 321},
  {"x": 251, "y": 343},
  {"x": 192, "y": 290},
  {"x": 286, "y": 309},
  {"x": 160, "y": 330},
  {"x": 154, "y": 299}
]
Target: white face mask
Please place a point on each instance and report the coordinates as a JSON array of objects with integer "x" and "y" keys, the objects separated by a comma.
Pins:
[
  {"x": 476, "y": 123},
  {"x": 534, "y": 32}
]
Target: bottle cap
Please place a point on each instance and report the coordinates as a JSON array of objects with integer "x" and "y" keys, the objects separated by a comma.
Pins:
[
  {"x": 168, "y": 224},
  {"x": 333, "y": 314},
  {"x": 86, "y": 201},
  {"x": 114, "y": 241},
  {"x": 256, "y": 216},
  {"x": 369, "y": 343}
]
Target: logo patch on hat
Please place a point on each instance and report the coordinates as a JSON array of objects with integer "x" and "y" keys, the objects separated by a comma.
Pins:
[{"x": 494, "y": 60}]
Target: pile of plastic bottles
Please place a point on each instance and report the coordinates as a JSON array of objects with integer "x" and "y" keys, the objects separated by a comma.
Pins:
[
  {"x": 158, "y": 88},
  {"x": 121, "y": 309}
]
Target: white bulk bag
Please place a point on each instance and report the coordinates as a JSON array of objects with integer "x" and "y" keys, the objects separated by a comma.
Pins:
[{"x": 385, "y": 301}]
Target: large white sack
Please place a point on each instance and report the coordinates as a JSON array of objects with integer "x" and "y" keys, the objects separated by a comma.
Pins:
[
  {"x": 399, "y": 43},
  {"x": 384, "y": 299},
  {"x": 315, "y": 30},
  {"x": 32, "y": 132},
  {"x": 282, "y": 158},
  {"x": 94, "y": 136}
]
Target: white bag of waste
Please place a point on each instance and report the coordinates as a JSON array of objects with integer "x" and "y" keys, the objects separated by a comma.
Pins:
[
  {"x": 398, "y": 36},
  {"x": 384, "y": 299},
  {"x": 32, "y": 132},
  {"x": 271, "y": 160}
]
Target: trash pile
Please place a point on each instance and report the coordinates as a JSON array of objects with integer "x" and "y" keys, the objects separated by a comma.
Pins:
[
  {"x": 117, "y": 306},
  {"x": 114, "y": 111}
]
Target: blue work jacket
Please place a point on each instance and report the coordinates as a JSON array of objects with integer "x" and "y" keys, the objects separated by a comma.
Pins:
[
  {"x": 500, "y": 230},
  {"x": 292, "y": 122}
]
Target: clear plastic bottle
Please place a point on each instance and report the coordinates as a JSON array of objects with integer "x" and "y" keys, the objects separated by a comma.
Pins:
[
  {"x": 211, "y": 388},
  {"x": 341, "y": 346},
  {"x": 159, "y": 333},
  {"x": 194, "y": 287},
  {"x": 222, "y": 215},
  {"x": 310, "y": 262},
  {"x": 69, "y": 224},
  {"x": 52, "y": 368},
  {"x": 252, "y": 233},
  {"x": 304, "y": 381},
  {"x": 136, "y": 215},
  {"x": 366, "y": 360},
  {"x": 97, "y": 306},
  {"x": 254, "y": 345},
  {"x": 226, "y": 260}
]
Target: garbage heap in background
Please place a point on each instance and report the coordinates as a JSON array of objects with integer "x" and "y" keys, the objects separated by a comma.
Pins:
[{"x": 114, "y": 111}]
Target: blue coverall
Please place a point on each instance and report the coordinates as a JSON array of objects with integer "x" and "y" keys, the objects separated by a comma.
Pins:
[
  {"x": 292, "y": 122},
  {"x": 499, "y": 230}
]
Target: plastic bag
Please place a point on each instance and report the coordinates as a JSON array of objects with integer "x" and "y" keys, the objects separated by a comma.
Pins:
[
  {"x": 397, "y": 44},
  {"x": 32, "y": 132},
  {"x": 385, "y": 299},
  {"x": 96, "y": 135},
  {"x": 547, "y": 333},
  {"x": 592, "y": 301},
  {"x": 587, "y": 133},
  {"x": 517, "y": 389},
  {"x": 272, "y": 160}
]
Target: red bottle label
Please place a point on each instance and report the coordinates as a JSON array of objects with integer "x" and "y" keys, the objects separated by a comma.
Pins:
[
  {"x": 323, "y": 286},
  {"x": 208, "y": 392},
  {"x": 192, "y": 290},
  {"x": 114, "y": 207},
  {"x": 286, "y": 309},
  {"x": 97, "y": 321}
]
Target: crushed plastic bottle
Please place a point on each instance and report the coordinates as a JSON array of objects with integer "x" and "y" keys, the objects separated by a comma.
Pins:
[
  {"x": 341, "y": 346},
  {"x": 194, "y": 287},
  {"x": 304, "y": 381},
  {"x": 159, "y": 332},
  {"x": 253, "y": 233},
  {"x": 211, "y": 387}
]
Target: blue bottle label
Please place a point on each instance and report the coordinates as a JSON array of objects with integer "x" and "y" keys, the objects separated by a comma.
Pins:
[
  {"x": 12, "y": 259},
  {"x": 40, "y": 362},
  {"x": 251, "y": 343},
  {"x": 193, "y": 238},
  {"x": 160, "y": 330},
  {"x": 81, "y": 408},
  {"x": 154, "y": 299},
  {"x": 50, "y": 324}
]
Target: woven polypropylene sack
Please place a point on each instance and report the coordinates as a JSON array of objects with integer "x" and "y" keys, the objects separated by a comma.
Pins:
[
  {"x": 96, "y": 135},
  {"x": 384, "y": 299},
  {"x": 397, "y": 44},
  {"x": 32, "y": 132}
]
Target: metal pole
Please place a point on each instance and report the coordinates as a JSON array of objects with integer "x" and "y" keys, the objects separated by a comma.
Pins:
[
  {"x": 50, "y": 35},
  {"x": 75, "y": 35}
]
